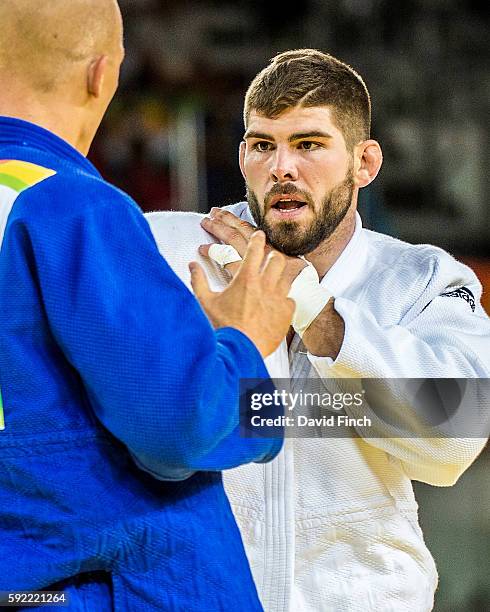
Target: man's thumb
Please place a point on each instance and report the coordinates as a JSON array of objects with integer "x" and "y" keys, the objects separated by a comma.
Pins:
[{"x": 199, "y": 282}]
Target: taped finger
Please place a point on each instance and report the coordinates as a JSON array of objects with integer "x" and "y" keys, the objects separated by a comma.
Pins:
[{"x": 223, "y": 254}]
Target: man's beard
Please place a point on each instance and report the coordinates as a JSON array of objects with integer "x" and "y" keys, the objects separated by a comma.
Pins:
[{"x": 289, "y": 237}]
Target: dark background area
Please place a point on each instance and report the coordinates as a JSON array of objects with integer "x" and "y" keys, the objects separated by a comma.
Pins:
[{"x": 171, "y": 138}]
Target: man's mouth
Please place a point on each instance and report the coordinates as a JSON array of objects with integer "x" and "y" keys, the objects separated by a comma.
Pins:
[{"x": 286, "y": 203}]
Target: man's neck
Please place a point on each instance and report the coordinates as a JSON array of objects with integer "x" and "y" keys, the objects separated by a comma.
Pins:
[
  {"x": 327, "y": 253},
  {"x": 52, "y": 118}
]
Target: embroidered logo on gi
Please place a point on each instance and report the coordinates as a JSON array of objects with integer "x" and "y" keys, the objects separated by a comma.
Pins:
[{"x": 463, "y": 293}]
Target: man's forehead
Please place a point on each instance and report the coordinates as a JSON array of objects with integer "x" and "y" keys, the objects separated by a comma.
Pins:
[{"x": 293, "y": 120}]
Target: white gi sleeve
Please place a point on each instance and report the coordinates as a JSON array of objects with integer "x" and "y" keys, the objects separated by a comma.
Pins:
[{"x": 444, "y": 333}]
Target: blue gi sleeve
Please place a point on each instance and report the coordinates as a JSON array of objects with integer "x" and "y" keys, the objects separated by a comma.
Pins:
[{"x": 157, "y": 375}]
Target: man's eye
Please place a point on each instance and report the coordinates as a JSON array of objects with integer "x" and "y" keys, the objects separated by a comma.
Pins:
[
  {"x": 262, "y": 146},
  {"x": 308, "y": 145}
]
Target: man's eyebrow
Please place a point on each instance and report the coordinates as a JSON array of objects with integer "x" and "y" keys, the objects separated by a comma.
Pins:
[
  {"x": 312, "y": 134},
  {"x": 292, "y": 138},
  {"x": 260, "y": 135}
]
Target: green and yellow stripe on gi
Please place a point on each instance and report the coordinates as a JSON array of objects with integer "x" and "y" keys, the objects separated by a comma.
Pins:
[{"x": 20, "y": 175}]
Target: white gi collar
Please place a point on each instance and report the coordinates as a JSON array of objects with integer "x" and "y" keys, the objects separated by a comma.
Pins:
[{"x": 350, "y": 263}]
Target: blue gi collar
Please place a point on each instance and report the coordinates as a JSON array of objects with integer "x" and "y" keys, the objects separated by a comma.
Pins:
[{"x": 19, "y": 133}]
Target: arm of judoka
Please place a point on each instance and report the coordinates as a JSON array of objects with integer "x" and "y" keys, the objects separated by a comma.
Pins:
[
  {"x": 157, "y": 375},
  {"x": 446, "y": 339}
]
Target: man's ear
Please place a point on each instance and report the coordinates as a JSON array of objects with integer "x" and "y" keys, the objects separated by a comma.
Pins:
[
  {"x": 370, "y": 157},
  {"x": 95, "y": 76},
  {"x": 241, "y": 157}
]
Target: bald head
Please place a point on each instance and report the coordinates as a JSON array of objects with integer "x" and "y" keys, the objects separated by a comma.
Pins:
[{"x": 43, "y": 43}]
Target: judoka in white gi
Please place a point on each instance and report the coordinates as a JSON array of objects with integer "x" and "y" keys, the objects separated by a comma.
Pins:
[{"x": 331, "y": 525}]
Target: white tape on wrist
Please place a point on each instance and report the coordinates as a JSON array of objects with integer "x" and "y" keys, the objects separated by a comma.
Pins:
[
  {"x": 223, "y": 254},
  {"x": 310, "y": 297}
]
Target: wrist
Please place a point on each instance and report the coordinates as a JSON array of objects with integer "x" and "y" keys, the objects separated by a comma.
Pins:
[{"x": 310, "y": 298}]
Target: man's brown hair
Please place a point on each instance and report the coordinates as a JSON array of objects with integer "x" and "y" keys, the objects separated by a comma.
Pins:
[{"x": 307, "y": 77}]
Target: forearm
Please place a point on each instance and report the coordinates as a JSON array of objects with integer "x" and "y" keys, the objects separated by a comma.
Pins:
[
  {"x": 204, "y": 432},
  {"x": 425, "y": 347},
  {"x": 400, "y": 412},
  {"x": 157, "y": 375}
]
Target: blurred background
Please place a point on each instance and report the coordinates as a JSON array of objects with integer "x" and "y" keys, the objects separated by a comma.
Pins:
[{"x": 171, "y": 138}]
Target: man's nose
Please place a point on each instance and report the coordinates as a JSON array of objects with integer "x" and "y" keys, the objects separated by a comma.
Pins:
[{"x": 283, "y": 166}]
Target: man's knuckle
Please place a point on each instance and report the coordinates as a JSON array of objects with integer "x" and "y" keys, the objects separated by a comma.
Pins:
[{"x": 232, "y": 234}]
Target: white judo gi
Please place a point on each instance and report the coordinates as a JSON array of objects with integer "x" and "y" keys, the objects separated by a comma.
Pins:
[{"x": 331, "y": 524}]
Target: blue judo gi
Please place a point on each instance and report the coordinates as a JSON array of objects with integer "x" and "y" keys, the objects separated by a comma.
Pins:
[{"x": 119, "y": 400}]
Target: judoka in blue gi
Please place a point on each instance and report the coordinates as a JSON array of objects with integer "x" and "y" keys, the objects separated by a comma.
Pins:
[{"x": 119, "y": 398}]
